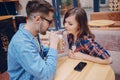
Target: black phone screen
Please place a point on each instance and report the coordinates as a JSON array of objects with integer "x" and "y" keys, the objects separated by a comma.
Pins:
[{"x": 80, "y": 66}]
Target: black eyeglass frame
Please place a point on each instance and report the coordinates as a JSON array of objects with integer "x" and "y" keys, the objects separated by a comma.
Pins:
[{"x": 49, "y": 21}]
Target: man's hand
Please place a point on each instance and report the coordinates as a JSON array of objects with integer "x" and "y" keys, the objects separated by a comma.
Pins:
[{"x": 53, "y": 40}]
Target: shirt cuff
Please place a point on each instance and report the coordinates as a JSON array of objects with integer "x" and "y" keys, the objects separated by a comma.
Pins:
[{"x": 52, "y": 52}]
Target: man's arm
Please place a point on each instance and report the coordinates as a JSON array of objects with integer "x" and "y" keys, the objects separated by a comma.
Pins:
[
  {"x": 45, "y": 50},
  {"x": 29, "y": 58}
]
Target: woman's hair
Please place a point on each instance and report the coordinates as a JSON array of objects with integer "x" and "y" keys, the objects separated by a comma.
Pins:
[
  {"x": 40, "y": 6},
  {"x": 81, "y": 18}
]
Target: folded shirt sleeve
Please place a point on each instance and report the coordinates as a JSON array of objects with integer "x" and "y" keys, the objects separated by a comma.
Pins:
[{"x": 93, "y": 48}]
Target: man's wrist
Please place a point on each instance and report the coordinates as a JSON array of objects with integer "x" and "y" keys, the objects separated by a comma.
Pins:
[{"x": 53, "y": 46}]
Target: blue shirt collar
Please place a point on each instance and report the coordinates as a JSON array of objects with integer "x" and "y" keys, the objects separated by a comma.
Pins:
[{"x": 26, "y": 32}]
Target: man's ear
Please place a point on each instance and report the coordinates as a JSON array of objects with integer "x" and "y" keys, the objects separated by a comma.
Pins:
[{"x": 37, "y": 19}]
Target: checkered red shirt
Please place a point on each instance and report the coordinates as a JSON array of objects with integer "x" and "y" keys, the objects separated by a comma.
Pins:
[{"x": 88, "y": 46}]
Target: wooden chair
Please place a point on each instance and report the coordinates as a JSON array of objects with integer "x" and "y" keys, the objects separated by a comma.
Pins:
[
  {"x": 115, "y": 16},
  {"x": 6, "y": 33},
  {"x": 108, "y": 36},
  {"x": 19, "y": 20}
]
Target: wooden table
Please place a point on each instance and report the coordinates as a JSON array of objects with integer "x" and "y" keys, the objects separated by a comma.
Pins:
[
  {"x": 101, "y": 23},
  {"x": 92, "y": 71},
  {"x": 5, "y": 17}
]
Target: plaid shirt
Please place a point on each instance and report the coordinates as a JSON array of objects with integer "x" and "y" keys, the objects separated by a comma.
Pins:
[{"x": 88, "y": 46}]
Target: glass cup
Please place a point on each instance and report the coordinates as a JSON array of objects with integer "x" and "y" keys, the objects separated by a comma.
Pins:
[
  {"x": 45, "y": 39},
  {"x": 60, "y": 46}
]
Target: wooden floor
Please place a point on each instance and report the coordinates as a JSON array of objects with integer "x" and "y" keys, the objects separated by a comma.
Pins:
[{"x": 4, "y": 76}]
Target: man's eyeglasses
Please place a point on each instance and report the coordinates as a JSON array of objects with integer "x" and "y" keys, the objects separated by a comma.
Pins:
[{"x": 49, "y": 21}]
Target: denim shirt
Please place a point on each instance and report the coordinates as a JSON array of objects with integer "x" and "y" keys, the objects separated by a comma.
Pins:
[{"x": 24, "y": 61}]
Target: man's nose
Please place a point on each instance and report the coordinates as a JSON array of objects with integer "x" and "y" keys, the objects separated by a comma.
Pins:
[{"x": 50, "y": 25}]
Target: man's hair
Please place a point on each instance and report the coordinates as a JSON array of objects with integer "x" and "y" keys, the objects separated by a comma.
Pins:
[{"x": 40, "y": 6}]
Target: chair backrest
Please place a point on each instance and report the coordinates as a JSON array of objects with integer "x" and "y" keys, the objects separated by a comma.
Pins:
[
  {"x": 19, "y": 20},
  {"x": 6, "y": 33}
]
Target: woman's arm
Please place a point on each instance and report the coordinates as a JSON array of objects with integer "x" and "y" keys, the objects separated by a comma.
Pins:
[{"x": 78, "y": 55}]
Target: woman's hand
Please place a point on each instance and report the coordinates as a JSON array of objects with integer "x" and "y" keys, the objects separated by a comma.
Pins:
[
  {"x": 71, "y": 54},
  {"x": 75, "y": 55}
]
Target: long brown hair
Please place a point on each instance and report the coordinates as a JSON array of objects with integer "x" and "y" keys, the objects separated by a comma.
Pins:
[{"x": 81, "y": 18}]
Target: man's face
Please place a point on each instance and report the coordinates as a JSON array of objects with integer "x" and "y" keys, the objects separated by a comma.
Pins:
[{"x": 45, "y": 23}]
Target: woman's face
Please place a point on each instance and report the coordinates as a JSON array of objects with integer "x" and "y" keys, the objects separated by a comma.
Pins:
[{"x": 71, "y": 25}]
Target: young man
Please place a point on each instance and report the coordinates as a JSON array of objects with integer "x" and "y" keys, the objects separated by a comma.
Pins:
[{"x": 25, "y": 54}]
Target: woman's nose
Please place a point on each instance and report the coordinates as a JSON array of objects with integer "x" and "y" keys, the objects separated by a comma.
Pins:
[{"x": 66, "y": 25}]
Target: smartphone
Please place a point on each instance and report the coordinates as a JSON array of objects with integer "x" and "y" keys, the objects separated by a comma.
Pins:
[{"x": 80, "y": 66}]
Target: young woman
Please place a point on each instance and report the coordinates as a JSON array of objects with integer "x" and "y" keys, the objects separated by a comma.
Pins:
[{"x": 80, "y": 39}]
